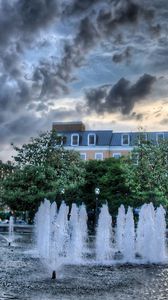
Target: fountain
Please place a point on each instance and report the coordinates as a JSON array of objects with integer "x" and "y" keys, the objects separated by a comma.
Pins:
[
  {"x": 104, "y": 235},
  {"x": 62, "y": 240},
  {"x": 150, "y": 241},
  {"x": 120, "y": 228},
  {"x": 129, "y": 237},
  {"x": 78, "y": 233},
  {"x": 10, "y": 237},
  {"x": 11, "y": 231}
]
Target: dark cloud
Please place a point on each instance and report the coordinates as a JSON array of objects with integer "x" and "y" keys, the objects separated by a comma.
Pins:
[
  {"x": 22, "y": 18},
  {"x": 42, "y": 107},
  {"x": 123, "y": 12},
  {"x": 87, "y": 35},
  {"x": 125, "y": 55},
  {"x": 93, "y": 28},
  {"x": 156, "y": 30},
  {"x": 20, "y": 129},
  {"x": 53, "y": 78},
  {"x": 13, "y": 97},
  {"x": 47, "y": 81},
  {"x": 21, "y": 125},
  {"x": 77, "y": 7},
  {"x": 25, "y": 125},
  {"x": 30, "y": 78},
  {"x": 11, "y": 64},
  {"x": 158, "y": 115},
  {"x": 36, "y": 14},
  {"x": 164, "y": 121},
  {"x": 120, "y": 97},
  {"x": 133, "y": 116},
  {"x": 137, "y": 116}
]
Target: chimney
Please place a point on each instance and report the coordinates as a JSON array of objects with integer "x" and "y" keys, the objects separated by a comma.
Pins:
[{"x": 68, "y": 126}]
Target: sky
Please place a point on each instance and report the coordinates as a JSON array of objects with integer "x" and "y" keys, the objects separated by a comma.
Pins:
[{"x": 103, "y": 62}]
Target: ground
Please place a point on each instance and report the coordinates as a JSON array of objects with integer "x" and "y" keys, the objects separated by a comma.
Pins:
[{"x": 24, "y": 276}]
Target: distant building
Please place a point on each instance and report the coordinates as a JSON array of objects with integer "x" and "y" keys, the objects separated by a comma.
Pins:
[{"x": 101, "y": 144}]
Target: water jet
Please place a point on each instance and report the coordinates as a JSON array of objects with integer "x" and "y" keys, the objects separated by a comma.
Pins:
[{"x": 62, "y": 240}]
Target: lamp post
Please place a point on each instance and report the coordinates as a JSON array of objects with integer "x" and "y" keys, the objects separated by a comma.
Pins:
[
  {"x": 97, "y": 192},
  {"x": 62, "y": 194}
]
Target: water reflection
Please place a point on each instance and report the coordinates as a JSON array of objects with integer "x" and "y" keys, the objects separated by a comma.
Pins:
[
  {"x": 8, "y": 296},
  {"x": 23, "y": 277}
]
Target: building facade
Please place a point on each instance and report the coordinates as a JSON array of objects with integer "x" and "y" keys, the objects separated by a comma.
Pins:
[{"x": 101, "y": 144}]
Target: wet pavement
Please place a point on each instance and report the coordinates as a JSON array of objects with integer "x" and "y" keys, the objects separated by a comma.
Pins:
[{"x": 23, "y": 276}]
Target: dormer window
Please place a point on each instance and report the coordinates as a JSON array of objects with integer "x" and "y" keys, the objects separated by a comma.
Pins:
[
  {"x": 125, "y": 139},
  {"x": 75, "y": 139},
  {"x": 91, "y": 139},
  {"x": 159, "y": 137}
]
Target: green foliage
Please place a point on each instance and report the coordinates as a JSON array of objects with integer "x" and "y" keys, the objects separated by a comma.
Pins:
[
  {"x": 5, "y": 170},
  {"x": 147, "y": 178},
  {"x": 38, "y": 151},
  {"x": 26, "y": 187},
  {"x": 108, "y": 176},
  {"x": 42, "y": 169},
  {"x": 114, "y": 186}
]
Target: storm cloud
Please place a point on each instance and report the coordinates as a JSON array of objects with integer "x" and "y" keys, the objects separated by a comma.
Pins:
[
  {"x": 92, "y": 22},
  {"x": 50, "y": 49},
  {"x": 93, "y": 27},
  {"x": 122, "y": 96}
]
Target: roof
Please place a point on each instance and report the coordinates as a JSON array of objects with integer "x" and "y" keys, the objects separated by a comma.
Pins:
[
  {"x": 133, "y": 136},
  {"x": 108, "y": 137},
  {"x": 103, "y": 137}
]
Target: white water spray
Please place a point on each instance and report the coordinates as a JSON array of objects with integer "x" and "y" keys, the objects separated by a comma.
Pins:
[
  {"x": 62, "y": 241},
  {"x": 104, "y": 235}
]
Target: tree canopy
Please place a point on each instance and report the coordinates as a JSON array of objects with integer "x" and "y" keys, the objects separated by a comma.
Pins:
[
  {"x": 147, "y": 173},
  {"x": 108, "y": 175},
  {"x": 42, "y": 168}
]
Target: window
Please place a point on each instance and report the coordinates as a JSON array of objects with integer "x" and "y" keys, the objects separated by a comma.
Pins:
[
  {"x": 99, "y": 156},
  {"x": 91, "y": 139},
  {"x": 74, "y": 139},
  {"x": 117, "y": 155},
  {"x": 159, "y": 137},
  {"x": 83, "y": 156},
  {"x": 125, "y": 139}
]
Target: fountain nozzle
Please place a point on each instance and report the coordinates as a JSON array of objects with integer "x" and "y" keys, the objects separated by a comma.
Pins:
[{"x": 53, "y": 275}]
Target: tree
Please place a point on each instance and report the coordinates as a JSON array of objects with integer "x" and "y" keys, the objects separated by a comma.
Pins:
[
  {"x": 5, "y": 170},
  {"x": 108, "y": 176},
  {"x": 147, "y": 173},
  {"x": 113, "y": 184},
  {"x": 38, "y": 151},
  {"x": 25, "y": 188},
  {"x": 42, "y": 169}
]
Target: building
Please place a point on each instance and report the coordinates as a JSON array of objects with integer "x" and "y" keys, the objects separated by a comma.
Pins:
[{"x": 101, "y": 144}]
